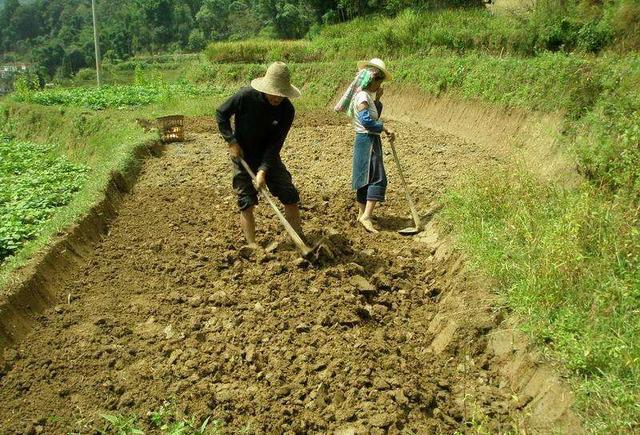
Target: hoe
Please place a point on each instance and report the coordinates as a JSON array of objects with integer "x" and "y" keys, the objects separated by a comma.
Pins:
[
  {"x": 320, "y": 250},
  {"x": 409, "y": 231}
]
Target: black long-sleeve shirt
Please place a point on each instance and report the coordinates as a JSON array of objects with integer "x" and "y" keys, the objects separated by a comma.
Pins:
[{"x": 260, "y": 128}]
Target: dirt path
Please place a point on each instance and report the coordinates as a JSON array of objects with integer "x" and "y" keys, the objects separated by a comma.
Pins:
[{"x": 165, "y": 308}]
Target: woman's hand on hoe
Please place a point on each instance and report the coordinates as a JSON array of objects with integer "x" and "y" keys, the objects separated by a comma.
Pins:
[{"x": 390, "y": 134}]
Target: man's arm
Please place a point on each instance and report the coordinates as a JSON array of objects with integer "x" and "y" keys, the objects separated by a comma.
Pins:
[
  {"x": 273, "y": 149},
  {"x": 223, "y": 118}
]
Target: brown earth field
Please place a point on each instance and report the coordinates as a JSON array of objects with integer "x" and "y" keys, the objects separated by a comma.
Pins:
[{"x": 167, "y": 312}]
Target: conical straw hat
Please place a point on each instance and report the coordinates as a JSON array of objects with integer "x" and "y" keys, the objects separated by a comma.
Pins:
[
  {"x": 277, "y": 81},
  {"x": 376, "y": 63}
]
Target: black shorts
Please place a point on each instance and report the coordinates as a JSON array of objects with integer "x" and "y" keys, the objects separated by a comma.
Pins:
[{"x": 279, "y": 183}]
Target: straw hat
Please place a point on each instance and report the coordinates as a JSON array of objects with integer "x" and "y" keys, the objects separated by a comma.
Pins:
[
  {"x": 277, "y": 81},
  {"x": 376, "y": 63}
]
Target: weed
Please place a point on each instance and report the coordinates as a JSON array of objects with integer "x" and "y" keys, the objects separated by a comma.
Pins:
[{"x": 121, "y": 425}]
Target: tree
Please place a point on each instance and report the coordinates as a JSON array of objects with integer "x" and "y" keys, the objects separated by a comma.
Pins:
[
  {"x": 212, "y": 18},
  {"x": 27, "y": 22},
  {"x": 196, "y": 40},
  {"x": 49, "y": 57}
]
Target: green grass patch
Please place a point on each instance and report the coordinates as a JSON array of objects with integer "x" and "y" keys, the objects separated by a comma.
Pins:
[
  {"x": 166, "y": 420},
  {"x": 549, "y": 27},
  {"x": 262, "y": 50}
]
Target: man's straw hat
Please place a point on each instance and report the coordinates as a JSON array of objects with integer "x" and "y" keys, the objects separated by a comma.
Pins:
[
  {"x": 376, "y": 63},
  {"x": 277, "y": 81}
]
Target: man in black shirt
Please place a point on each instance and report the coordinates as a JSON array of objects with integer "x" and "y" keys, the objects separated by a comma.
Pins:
[{"x": 263, "y": 117}]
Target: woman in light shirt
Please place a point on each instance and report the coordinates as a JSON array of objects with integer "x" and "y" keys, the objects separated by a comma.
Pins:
[{"x": 362, "y": 102}]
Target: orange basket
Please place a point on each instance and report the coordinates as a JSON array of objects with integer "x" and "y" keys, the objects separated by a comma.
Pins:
[{"x": 171, "y": 128}]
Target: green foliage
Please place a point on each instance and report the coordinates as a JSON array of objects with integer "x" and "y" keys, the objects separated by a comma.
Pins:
[
  {"x": 34, "y": 183},
  {"x": 118, "y": 95},
  {"x": 413, "y": 33},
  {"x": 59, "y": 37},
  {"x": 166, "y": 419},
  {"x": 608, "y": 136},
  {"x": 626, "y": 24},
  {"x": 26, "y": 84}
]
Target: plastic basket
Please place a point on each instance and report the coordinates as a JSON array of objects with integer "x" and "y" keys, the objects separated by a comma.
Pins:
[{"x": 171, "y": 128}]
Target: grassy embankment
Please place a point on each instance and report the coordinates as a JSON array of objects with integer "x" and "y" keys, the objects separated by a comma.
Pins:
[{"x": 567, "y": 260}]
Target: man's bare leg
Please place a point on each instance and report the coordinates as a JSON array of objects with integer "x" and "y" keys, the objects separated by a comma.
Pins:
[
  {"x": 248, "y": 224},
  {"x": 361, "y": 208},
  {"x": 292, "y": 214},
  {"x": 365, "y": 219}
]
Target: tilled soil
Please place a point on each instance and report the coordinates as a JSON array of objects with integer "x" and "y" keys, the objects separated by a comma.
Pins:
[{"x": 168, "y": 307}]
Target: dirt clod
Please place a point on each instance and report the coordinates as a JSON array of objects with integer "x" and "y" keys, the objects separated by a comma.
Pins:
[{"x": 362, "y": 285}]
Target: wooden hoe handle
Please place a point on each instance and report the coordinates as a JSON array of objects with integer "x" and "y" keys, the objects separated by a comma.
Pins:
[
  {"x": 297, "y": 240},
  {"x": 412, "y": 206}
]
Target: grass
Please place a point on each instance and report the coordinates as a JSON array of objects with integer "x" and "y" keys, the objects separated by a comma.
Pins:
[
  {"x": 568, "y": 262},
  {"x": 148, "y": 88},
  {"x": 550, "y": 27},
  {"x": 166, "y": 420}
]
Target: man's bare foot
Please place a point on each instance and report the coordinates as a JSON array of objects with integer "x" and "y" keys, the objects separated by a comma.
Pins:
[{"x": 367, "y": 224}]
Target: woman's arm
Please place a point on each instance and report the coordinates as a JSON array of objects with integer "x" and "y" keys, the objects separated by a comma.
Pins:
[
  {"x": 364, "y": 116},
  {"x": 370, "y": 124}
]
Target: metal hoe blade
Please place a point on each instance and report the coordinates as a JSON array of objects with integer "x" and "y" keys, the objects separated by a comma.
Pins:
[{"x": 409, "y": 231}]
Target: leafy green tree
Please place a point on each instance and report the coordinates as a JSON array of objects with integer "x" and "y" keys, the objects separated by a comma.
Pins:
[
  {"x": 49, "y": 57},
  {"x": 26, "y": 21},
  {"x": 117, "y": 39},
  {"x": 183, "y": 23},
  {"x": 243, "y": 21},
  {"x": 7, "y": 32},
  {"x": 212, "y": 18}
]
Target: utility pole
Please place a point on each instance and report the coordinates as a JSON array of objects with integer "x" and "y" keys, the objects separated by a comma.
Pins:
[{"x": 96, "y": 43}]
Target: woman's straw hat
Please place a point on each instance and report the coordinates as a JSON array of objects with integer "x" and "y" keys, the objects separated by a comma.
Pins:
[
  {"x": 277, "y": 81},
  {"x": 376, "y": 63}
]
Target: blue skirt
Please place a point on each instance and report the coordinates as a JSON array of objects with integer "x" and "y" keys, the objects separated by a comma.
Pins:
[{"x": 368, "y": 177}]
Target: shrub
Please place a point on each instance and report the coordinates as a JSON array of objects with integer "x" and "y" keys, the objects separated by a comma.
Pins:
[
  {"x": 594, "y": 36},
  {"x": 260, "y": 51},
  {"x": 626, "y": 24}
]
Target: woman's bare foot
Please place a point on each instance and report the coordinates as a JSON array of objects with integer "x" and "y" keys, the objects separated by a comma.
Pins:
[{"x": 367, "y": 224}]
